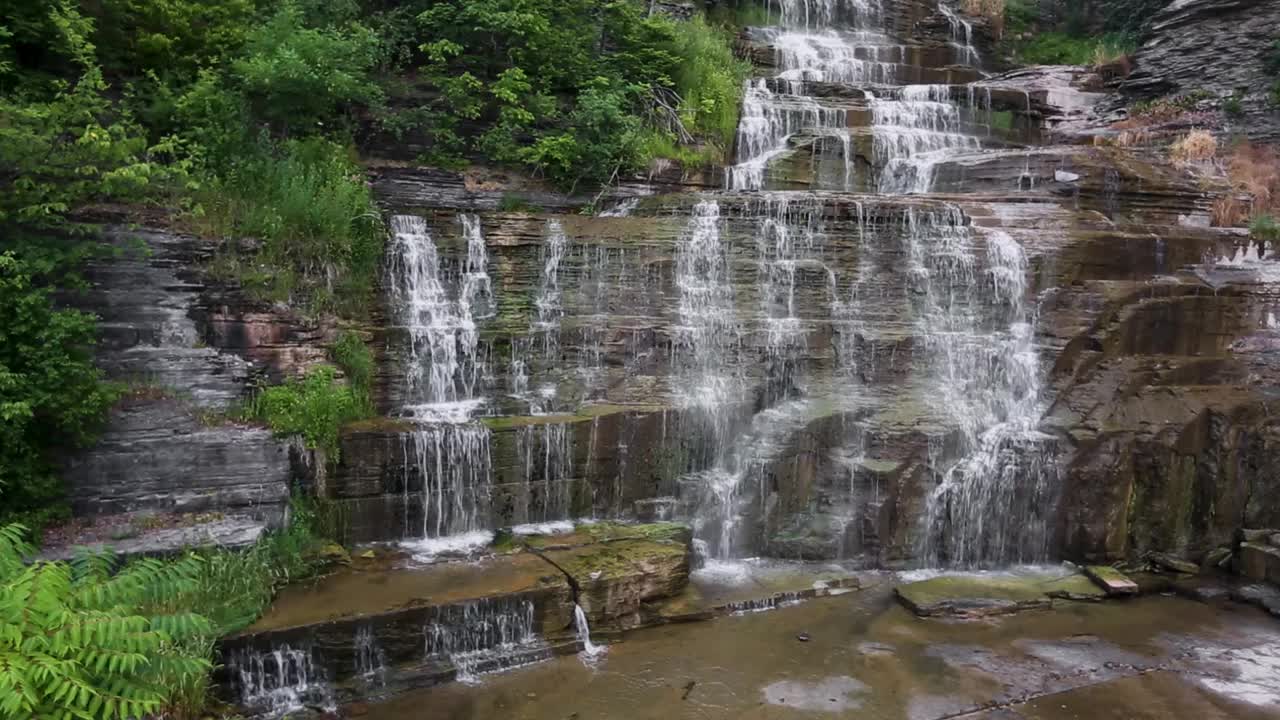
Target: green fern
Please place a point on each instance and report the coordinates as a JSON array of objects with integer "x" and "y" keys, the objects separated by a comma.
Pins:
[{"x": 78, "y": 642}]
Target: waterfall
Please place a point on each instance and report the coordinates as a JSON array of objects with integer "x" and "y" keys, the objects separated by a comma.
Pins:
[
  {"x": 964, "y": 52},
  {"x": 443, "y": 367},
  {"x": 278, "y": 682},
  {"x": 844, "y": 42},
  {"x": 707, "y": 325},
  {"x": 546, "y": 449},
  {"x": 482, "y": 635},
  {"x": 446, "y": 454},
  {"x": 370, "y": 660},
  {"x": 590, "y": 650},
  {"x": 913, "y": 133},
  {"x": 454, "y": 469},
  {"x": 547, "y": 301},
  {"x": 477, "y": 288}
]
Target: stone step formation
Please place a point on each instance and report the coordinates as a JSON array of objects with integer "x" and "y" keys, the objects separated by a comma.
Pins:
[{"x": 915, "y": 323}]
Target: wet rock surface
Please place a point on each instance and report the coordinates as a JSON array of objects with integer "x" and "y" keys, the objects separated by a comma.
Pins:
[
  {"x": 868, "y": 656},
  {"x": 982, "y": 595}
]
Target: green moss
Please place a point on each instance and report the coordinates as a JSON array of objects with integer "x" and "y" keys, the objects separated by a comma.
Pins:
[
  {"x": 586, "y": 412},
  {"x": 378, "y": 424},
  {"x": 618, "y": 559}
]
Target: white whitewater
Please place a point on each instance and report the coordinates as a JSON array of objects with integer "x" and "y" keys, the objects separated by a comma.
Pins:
[
  {"x": 447, "y": 455},
  {"x": 845, "y": 43},
  {"x": 913, "y": 133},
  {"x": 590, "y": 651}
]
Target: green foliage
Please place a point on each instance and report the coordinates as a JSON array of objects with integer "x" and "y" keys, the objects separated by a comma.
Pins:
[
  {"x": 1020, "y": 16},
  {"x": 322, "y": 235},
  {"x": 170, "y": 36},
  {"x": 567, "y": 88},
  {"x": 298, "y": 78},
  {"x": 737, "y": 14},
  {"x": 1233, "y": 107},
  {"x": 52, "y": 398},
  {"x": 1265, "y": 227},
  {"x": 314, "y": 407},
  {"x": 353, "y": 356},
  {"x": 709, "y": 79},
  {"x": 1060, "y": 48},
  {"x": 65, "y": 143},
  {"x": 77, "y": 641}
]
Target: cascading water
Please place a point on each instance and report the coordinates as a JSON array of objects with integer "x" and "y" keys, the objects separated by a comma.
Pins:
[
  {"x": 991, "y": 506},
  {"x": 913, "y": 133},
  {"x": 278, "y": 682},
  {"x": 966, "y": 288},
  {"x": 444, "y": 366},
  {"x": 590, "y": 650},
  {"x": 446, "y": 455},
  {"x": 484, "y": 635}
]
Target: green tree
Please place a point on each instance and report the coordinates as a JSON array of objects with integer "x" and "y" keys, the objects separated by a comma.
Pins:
[
  {"x": 52, "y": 398},
  {"x": 300, "y": 78},
  {"x": 66, "y": 144},
  {"x": 78, "y": 642}
]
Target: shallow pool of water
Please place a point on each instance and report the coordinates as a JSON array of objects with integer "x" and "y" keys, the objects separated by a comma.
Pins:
[{"x": 866, "y": 657}]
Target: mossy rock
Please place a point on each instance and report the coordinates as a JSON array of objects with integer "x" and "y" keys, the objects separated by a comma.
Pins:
[{"x": 978, "y": 596}]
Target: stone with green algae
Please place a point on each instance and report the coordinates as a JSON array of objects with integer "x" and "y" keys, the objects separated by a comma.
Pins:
[{"x": 970, "y": 596}]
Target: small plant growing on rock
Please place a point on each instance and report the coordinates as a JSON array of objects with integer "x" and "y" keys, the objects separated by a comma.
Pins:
[
  {"x": 1265, "y": 227},
  {"x": 1233, "y": 107}
]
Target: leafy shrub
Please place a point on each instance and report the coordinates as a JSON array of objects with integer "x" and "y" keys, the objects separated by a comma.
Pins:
[
  {"x": 314, "y": 407},
  {"x": 299, "y": 77},
  {"x": 353, "y": 356},
  {"x": 709, "y": 80},
  {"x": 1265, "y": 227},
  {"x": 1233, "y": 107},
  {"x": 52, "y": 398},
  {"x": 80, "y": 642},
  {"x": 1060, "y": 48}
]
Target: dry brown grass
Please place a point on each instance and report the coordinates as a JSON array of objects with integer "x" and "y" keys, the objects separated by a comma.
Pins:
[
  {"x": 1229, "y": 211},
  {"x": 1133, "y": 138},
  {"x": 1254, "y": 174},
  {"x": 1255, "y": 169},
  {"x": 992, "y": 10},
  {"x": 1197, "y": 146}
]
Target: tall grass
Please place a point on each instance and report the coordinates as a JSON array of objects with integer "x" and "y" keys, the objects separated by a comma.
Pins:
[
  {"x": 1060, "y": 48},
  {"x": 309, "y": 205},
  {"x": 709, "y": 80}
]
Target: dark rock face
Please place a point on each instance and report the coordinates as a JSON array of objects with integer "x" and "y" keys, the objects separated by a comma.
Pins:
[
  {"x": 157, "y": 455},
  {"x": 1218, "y": 46},
  {"x": 186, "y": 353}
]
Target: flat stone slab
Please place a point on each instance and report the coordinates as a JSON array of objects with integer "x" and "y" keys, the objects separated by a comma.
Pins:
[
  {"x": 596, "y": 556},
  {"x": 729, "y": 588},
  {"x": 1260, "y": 562},
  {"x": 968, "y": 596},
  {"x": 221, "y": 532},
  {"x": 1111, "y": 580}
]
